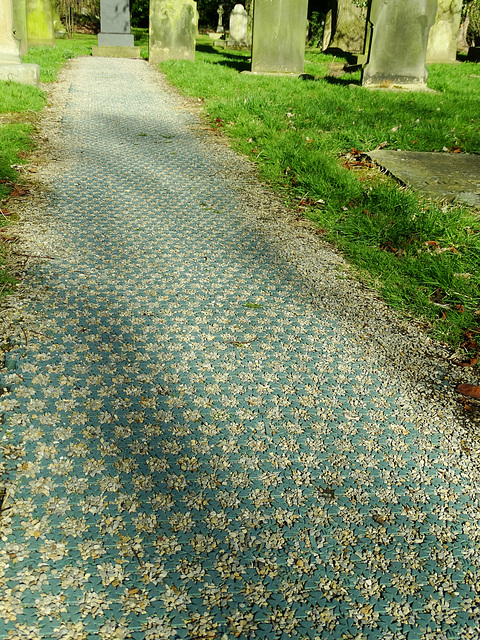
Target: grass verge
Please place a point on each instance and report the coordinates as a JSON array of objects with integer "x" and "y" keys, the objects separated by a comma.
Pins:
[
  {"x": 309, "y": 137},
  {"x": 19, "y": 108}
]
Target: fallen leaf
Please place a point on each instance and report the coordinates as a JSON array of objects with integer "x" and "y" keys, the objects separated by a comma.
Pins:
[
  {"x": 470, "y": 390},
  {"x": 472, "y": 362}
]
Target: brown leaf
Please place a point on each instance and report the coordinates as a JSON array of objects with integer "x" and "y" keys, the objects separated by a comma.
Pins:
[
  {"x": 470, "y": 390},
  {"x": 472, "y": 362}
]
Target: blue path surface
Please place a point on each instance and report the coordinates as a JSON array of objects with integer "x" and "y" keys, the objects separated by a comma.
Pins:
[{"x": 191, "y": 448}]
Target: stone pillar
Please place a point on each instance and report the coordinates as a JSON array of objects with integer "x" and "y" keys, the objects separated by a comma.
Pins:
[
  {"x": 11, "y": 67},
  {"x": 443, "y": 38},
  {"x": 20, "y": 24},
  {"x": 40, "y": 30},
  {"x": 347, "y": 31},
  {"x": 238, "y": 27},
  {"x": 115, "y": 39},
  {"x": 398, "y": 43},
  {"x": 173, "y": 28},
  {"x": 279, "y": 36}
]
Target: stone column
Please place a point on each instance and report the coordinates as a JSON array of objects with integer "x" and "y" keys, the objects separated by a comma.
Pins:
[
  {"x": 398, "y": 43},
  {"x": 40, "y": 23},
  {"x": 115, "y": 39},
  {"x": 11, "y": 67},
  {"x": 20, "y": 24},
  {"x": 443, "y": 38},
  {"x": 279, "y": 36},
  {"x": 173, "y": 28}
]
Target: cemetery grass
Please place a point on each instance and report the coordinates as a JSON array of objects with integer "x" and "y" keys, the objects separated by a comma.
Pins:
[
  {"x": 19, "y": 109},
  {"x": 308, "y": 138}
]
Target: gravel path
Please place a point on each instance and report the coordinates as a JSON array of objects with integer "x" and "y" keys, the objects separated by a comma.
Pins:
[{"x": 210, "y": 431}]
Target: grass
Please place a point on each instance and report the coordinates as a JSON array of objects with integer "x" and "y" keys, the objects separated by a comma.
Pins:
[
  {"x": 421, "y": 256},
  {"x": 19, "y": 108}
]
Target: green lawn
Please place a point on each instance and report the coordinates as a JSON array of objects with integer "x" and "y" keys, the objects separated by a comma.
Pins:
[{"x": 422, "y": 257}]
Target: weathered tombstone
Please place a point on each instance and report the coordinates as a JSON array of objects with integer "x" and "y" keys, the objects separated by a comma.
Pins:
[
  {"x": 398, "y": 43},
  {"x": 173, "y": 28},
  {"x": 58, "y": 28},
  {"x": 115, "y": 38},
  {"x": 238, "y": 27},
  {"x": 20, "y": 24},
  {"x": 220, "y": 12},
  {"x": 347, "y": 30},
  {"x": 40, "y": 23},
  {"x": 279, "y": 36},
  {"x": 11, "y": 66},
  {"x": 442, "y": 41}
]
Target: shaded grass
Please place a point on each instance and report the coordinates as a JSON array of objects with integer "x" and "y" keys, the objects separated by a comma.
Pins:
[{"x": 421, "y": 256}]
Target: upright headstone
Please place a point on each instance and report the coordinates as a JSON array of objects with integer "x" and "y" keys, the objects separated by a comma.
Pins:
[
  {"x": 220, "y": 12},
  {"x": 238, "y": 27},
  {"x": 11, "y": 66},
  {"x": 443, "y": 38},
  {"x": 279, "y": 36},
  {"x": 173, "y": 28},
  {"x": 398, "y": 43},
  {"x": 115, "y": 38},
  {"x": 40, "y": 31},
  {"x": 347, "y": 31},
  {"x": 20, "y": 24}
]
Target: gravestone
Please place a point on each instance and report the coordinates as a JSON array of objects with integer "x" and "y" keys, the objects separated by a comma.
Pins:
[
  {"x": 58, "y": 28},
  {"x": 443, "y": 38},
  {"x": 115, "y": 38},
  {"x": 398, "y": 43},
  {"x": 173, "y": 29},
  {"x": 220, "y": 12},
  {"x": 40, "y": 31},
  {"x": 11, "y": 66},
  {"x": 347, "y": 27},
  {"x": 20, "y": 24},
  {"x": 238, "y": 27},
  {"x": 279, "y": 36}
]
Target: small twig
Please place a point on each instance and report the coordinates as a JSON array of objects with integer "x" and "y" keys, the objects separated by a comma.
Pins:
[
  {"x": 27, "y": 255},
  {"x": 241, "y": 341},
  {"x": 137, "y": 557},
  {"x": 25, "y": 334}
]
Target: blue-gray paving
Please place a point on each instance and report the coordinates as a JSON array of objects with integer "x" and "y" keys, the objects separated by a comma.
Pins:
[{"x": 191, "y": 448}]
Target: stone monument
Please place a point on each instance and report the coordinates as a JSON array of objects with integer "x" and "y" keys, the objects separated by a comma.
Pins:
[
  {"x": 238, "y": 27},
  {"x": 11, "y": 66},
  {"x": 220, "y": 12},
  {"x": 443, "y": 38},
  {"x": 173, "y": 29},
  {"x": 58, "y": 28},
  {"x": 20, "y": 24},
  {"x": 40, "y": 31},
  {"x": 279, "y": 36},
  {"x": 345, "y": 27},
  {"x": 115, "y": 39},
  {"x": 397, "y": 45}
]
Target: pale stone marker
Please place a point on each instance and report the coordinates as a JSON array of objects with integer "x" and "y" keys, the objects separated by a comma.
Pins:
[
  {"x": 58, "y": 28},
  {"x": 279, "y": 36},
  {"x": 11, "y": 66},
  {"x": 115, "y": 38},
  {"x": 398, "y": 43},
  {"x": 443, "y": 38},
  {"x": 20, "y": 24},
  {"x": 173, "y": 29},
  {"x": 220, "y": 12},
  {"x": 238, "y": 26},
  {"x": 40, "y": 31}
]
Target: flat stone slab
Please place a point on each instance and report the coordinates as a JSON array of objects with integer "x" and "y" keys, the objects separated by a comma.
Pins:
[
  {"x": 449, "y": 176},
  {"x": 115, "y": 52}
]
